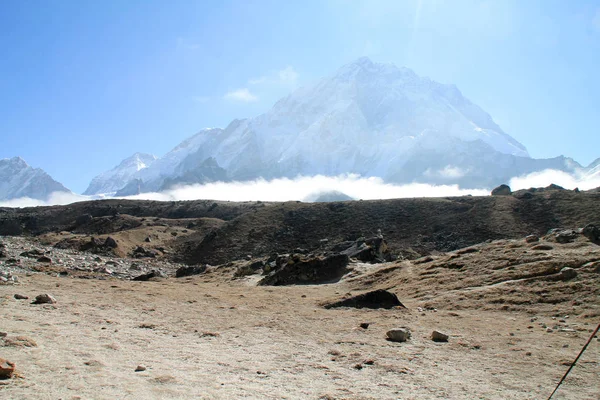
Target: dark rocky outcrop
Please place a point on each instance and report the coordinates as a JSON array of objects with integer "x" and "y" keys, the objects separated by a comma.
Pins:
[
  {"x": 502, "y": 190},
  {"x": 308, "y": 271},
  {"x": 190, "y": 270},
  {"x": 375, "y": 299}
]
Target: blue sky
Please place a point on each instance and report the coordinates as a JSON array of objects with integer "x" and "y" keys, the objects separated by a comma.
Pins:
[{"x": 84, "y": 84}]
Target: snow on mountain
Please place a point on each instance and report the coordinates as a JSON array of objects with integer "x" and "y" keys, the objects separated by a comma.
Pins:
[
  {"x": 18, "y": 179},
  {"x": 593, "y": 170},
  {"x": 115, "y": 179},
  {"x": 368, "y": 118}
]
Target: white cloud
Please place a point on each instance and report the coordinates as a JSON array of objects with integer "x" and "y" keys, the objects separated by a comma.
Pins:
[
  {"x": 56, "y": 198},
  {"x": 286, "y": 76},
  {"x": 242, "y": 94},
  {"x": 560, "y": 178}
]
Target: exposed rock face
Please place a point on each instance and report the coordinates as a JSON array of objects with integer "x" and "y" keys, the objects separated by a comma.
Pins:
[
  {"x": 308, "y": 271},
  {"x": 375, "y": 299},
  {"x": 502, "y": 190}
]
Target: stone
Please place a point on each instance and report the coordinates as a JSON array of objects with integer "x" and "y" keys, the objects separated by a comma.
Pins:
[
  {"x": 190, "y": 270},
  {"x": 308, "y": 271},
  {"x": 21, "y": 296},
  {"x": 155, "y": 273},
  {"x": 532, "y": 239},
  {"x": 566, "y": 236},
  {"x": 7, "y": 369},
  {"x": 110, "y": 243},
  {"x": 35, "y": 253},
  {"x": 374, "y": 299},
  {"x": 364, "y": 325},
  {"x": 502, "y": 190},
  {"x": 592, "y": 232},
  {"x": 398, "y": 334},
  {"x": 567, "y": 273},
  {"x": 140, "y": 368},
  {"x": 542, "y": 247},
  {"x": 438, "y": 336},
  {"x": 44, "y": 259},
  {"x": 44, "y": 299}
]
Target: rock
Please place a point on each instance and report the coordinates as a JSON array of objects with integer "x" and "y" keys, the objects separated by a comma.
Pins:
[
  {"x": 140, "y": 368},
  {"x": 7, "y": 368},
  {"x": 155, "y": 273},
  {"x": 141, "y": 252},
  {"x": 190, "y": 270},
  {"x": 110, "y": 243},
  {"x": 2, "y": 253},
  {"x": 437, "y": 336},
  {"x": 21, "y": 296},
  {"x": 375, "y": 299},
  {"x": 35, "y": 253},
  {"x": 592, "y": 232},
  {"x": 308, "y": 271},
  {"x": 44, "y": 259},
  {"x": 374, "y": 249},
  {"x": 566, "y": 236},
  {"x": 532, "y": 239},
  {"x": 398, "y": 334},
  {"x": 542, "y": 247},
  {"x": 502, "y": 190},
  {"x": 567, "y": 273},
  {"x": 364, "y": 325},
  {"x": 148, "y": 240},
  {"x": 44, "y": 299}
]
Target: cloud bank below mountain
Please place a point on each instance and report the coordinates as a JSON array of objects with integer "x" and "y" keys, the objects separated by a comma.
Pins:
[{"x": 302, "y": 188}]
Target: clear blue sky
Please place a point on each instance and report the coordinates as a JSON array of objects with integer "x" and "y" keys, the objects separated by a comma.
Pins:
[{"x": 84, "y": 84}]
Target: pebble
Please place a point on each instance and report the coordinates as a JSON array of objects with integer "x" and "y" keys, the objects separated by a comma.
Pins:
[
  {"x": 140, "y": 368},
  {"x": 21, "y": 296}
]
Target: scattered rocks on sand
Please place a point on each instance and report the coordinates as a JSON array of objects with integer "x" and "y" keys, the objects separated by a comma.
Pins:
[
  {"x": 7, "y": 368},
  {"x": 502, "y": 190},
  {"x": 375, "y": 299},
  {"x": 21, "y": 296},
  {"x": 438, "y": 336},
  {"x": 398, "y": 334},
  {"x": 44, "y": 299}
]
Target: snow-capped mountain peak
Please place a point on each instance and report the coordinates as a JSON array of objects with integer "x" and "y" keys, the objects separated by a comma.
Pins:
[
  {"x": 115, "y": 179},
  {"x": 18, "y": 179}
]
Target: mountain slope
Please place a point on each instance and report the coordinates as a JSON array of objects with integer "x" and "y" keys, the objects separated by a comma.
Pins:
[
  {"x": 118, "y": 177},
  {"x": 18, "y": 179},
  {"x": 368, "y": 118}
]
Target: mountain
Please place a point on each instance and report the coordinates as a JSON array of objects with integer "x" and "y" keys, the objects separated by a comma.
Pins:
[
  {"x": 18, "y": 179},
  {"x": 118, "y": 177},
  {"x": 368, "y": 118}
]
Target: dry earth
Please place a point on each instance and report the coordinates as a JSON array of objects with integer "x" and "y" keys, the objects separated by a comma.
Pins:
[{"x": 211, "y": 336}]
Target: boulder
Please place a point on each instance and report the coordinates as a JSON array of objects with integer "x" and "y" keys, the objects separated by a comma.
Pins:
[
  {"x": 567, "y": 273},
  {"x": 592, "y": 232},
  {"x": 502, "y": 190},
  {"x": 110, "y": 243},
  {"x": 308, "y": 271},
  {"x": 44, "y": 299},
  {"x": 565, "y": 236},
  {"x": 155, "y": 273},
  {"x": 398, "y": 334},
  {"x": 190, "y": 270},
  {"x": 375, "y": 299},
  {"x": 7, "y": 368},
  {"x": 438, "y": 336}
]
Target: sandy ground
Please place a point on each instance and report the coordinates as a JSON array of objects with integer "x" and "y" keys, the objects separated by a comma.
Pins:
[{"x": 212, "y": 339}]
